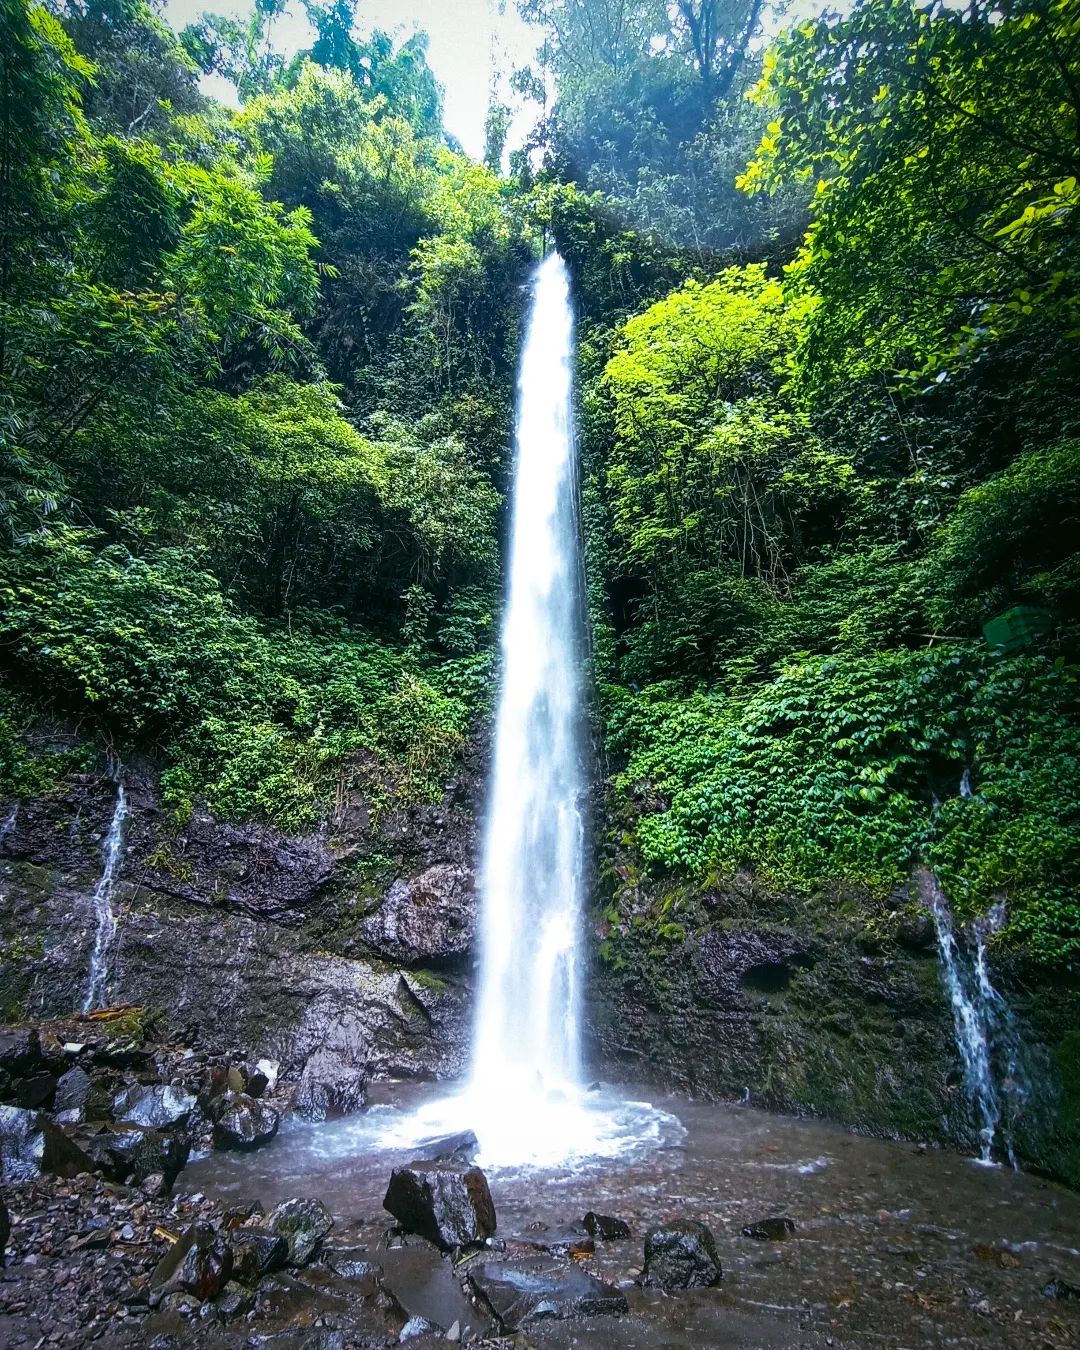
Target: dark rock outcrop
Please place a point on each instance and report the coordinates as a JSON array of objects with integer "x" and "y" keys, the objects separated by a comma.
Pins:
[
  {"x": 245, "y": 1123},
  {"x": 520, "y": 1293},
  {"x": 31, "y": 1144},
  {"x": 605, "y": 1227},
  {"x": 242, "y": 935},
  {"x": 256, "y": 1252},
  {"x": 199, "y": 1263},
  {"x": 428, "y": 920},
  {"x": 157, "y": 1106},
  {"x": 130, "y": 1153},
  {"x": 681, "y": 1255},
  {"x": 333, "y": 1081},
  {"x": 73, "y": 1090},
  {"x": 303, "y": 1223},
  {"x": 449, "y": 1205}
]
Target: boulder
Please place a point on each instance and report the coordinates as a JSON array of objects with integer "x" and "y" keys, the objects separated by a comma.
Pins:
[
  {"x": 428, "y": 919},
  {"x": 773, "y": 1229},
  {"x": 235, "y": 1300},
  {"x": 257, "y": 1252},
  {"x": 131, "y": 1154},
  {"x": 159, "y": 1106},
  {"x": 461, "y": 1147},
  {"x": 448, "y": 1204},
  {"x": 245, "y": 1124},
  {"x": 354, "y": 1263},
  {"x": 520, "y": 1293},
  {"x": 681, "y": 1255},
  {"x": 199, "y": 1262},
  {"x": 73, "y": 1091},
  {"x": 25, "y": 1076},
  {"x": 31, "y": 1144},
  {"x": 20, "y": 1050},
  {"x": 606, "y": 1228},
  {"x": 330, "y": 1085},
  {"x": 1059, "y": 1288},
  {"x": 303, "y": 1223}
]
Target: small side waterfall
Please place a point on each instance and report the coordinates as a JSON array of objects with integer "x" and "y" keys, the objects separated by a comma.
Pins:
[
  {"x": 986, "y": 1033},
  {"x": 112, "y": 851}
]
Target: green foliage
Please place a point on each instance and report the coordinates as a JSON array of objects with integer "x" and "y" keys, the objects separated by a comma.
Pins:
[
  {"x": 257, "y": 720},
  {"x": 945, "y": 181},
  {"x": 716, "y": 484},
  {"x": 850, "y": 767},
  {"x": 1013, "y": 538}
]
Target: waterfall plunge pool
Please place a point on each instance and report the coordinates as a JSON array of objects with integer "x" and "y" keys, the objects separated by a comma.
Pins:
[{"x": 893, "y": 1246}]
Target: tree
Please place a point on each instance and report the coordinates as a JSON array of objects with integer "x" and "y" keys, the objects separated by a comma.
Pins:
[{"x": 944, "y": 212}]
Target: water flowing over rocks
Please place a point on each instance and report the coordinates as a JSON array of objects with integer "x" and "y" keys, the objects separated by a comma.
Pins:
[{"x": 804, "y": 1006}]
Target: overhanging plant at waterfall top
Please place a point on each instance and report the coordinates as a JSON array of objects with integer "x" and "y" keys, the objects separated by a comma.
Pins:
[{"x": 850, "y": 767}]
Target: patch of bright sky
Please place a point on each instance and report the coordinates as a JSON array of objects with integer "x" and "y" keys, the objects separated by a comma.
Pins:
[{"x": 468, "y": 40}]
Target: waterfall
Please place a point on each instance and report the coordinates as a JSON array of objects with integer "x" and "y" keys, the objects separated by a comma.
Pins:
[
  {"x": 524, "y": 1097},
  {"x": 986, "y": 1033},
  {"x": 105, "y": 918},
  {"x": 526, "y": 1034}
]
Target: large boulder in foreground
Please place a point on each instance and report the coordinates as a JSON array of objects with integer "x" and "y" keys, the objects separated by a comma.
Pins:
[
  {"x": 303, "y": 1224},
  {"x": 200, "y": 1262},
  {"x": 130, "y": 1153},
  {"x": 31, "y": 1144},
  {"x": 681, "y": 1255},
  {"x": 519, "y": 1293},
  {"x": 332, "y": 1084},
  {"x": 448, "y": 1204},
  {"x": 157, "y": 1106},
  {"x": 427, "y": 920},
  {"x": 245, "y": 1123}
]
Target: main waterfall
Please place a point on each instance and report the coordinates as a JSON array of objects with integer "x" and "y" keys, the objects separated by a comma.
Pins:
[
  {"x": 524, "y": 1097},
  {"x": 526, "y": 1039}
]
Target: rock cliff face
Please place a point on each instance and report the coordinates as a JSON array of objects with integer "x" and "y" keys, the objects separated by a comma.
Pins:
[
  {"x": 348, "y": 955},
  {"x": 345, "y": 951},
  {"x": 830, "y": 1005}
]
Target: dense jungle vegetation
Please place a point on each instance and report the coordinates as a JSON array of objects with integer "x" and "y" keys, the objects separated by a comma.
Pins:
[{"x": 256, "y": 382}]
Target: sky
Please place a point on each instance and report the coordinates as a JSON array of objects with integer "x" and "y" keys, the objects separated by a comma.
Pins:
[{"x": 464, "y": 34}]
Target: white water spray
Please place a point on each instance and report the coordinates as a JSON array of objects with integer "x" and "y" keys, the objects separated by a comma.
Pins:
[
  {"x": 524, "y": 1098},
  {"x": 105, "y": 918}
]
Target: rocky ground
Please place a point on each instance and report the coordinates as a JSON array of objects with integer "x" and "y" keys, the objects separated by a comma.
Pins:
[{"x": 103, "y": 1243}]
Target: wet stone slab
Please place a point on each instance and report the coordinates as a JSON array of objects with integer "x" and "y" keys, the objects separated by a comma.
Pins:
[{"x": 522, "y": 1292}]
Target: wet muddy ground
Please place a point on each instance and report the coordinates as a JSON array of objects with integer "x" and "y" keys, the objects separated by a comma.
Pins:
[{"x": 893, "y": 1246}]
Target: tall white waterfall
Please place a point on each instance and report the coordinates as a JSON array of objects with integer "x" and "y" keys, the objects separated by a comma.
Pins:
[
  {"x": 524, "y": 1097},
  {"x": 526, "y": 1038}
]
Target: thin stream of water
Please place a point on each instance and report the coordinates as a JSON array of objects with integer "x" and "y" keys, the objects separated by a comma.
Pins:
[
  {"x": 986, "y": 1035},
  {"x": 112, "y": 852}
]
